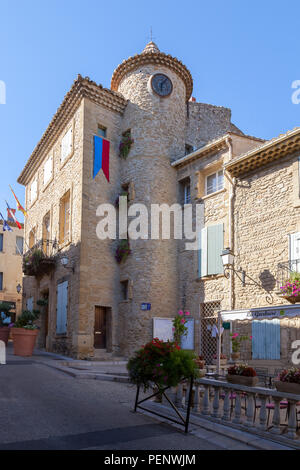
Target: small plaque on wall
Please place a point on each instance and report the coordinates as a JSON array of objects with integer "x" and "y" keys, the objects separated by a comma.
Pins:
[{"x": 163, "y": 329}]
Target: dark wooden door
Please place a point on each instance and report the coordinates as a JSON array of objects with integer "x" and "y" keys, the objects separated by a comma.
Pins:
[{"x": 100, "y": 328}]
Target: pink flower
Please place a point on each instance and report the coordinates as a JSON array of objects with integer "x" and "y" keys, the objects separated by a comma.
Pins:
[
  {"x": 187, "y": 313},
  {"x": 180, "y": 313},
  {"x": 182, "y": 321}
]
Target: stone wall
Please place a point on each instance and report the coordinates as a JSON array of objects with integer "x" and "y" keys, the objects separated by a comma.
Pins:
[{"x": 66, "y": 177}]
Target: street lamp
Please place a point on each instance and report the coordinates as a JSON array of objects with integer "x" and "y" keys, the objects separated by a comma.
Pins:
[
  {"x": 65, "y": 261},
  {"x": 228, "y": 260}
]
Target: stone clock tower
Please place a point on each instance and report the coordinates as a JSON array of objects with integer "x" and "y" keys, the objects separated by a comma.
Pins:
[{"x": 157, "y": 87}]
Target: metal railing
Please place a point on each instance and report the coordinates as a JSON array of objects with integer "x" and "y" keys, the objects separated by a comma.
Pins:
[
  {"x": 48, "y": 247},
  {"x": 284, "y": 271}
]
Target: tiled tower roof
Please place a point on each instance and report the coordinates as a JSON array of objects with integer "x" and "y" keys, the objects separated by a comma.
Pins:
[{"x": 152, "y": 55}]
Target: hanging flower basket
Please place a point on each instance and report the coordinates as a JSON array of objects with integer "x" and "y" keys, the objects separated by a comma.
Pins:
[
  {"x": 290, "y": 290},
  {"x": 125, "y": 144}
]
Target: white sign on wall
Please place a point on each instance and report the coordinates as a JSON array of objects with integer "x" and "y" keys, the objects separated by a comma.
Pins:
[{"x": 163, "y": 329}]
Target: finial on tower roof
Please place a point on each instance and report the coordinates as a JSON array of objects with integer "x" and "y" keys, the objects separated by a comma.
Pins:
[{"x": 151, "y": 48}]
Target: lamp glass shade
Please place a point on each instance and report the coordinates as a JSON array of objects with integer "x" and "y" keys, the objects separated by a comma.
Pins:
[{"x": 227, "y": 257}]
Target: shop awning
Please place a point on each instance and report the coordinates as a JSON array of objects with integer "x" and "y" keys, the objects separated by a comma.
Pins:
[{"x": 278, "y": 311}]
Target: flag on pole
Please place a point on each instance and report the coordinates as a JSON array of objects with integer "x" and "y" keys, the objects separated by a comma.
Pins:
[
  {"x": 19, "y": 207},
  {"x": 9, "y": 215},
  {"x": 101, "y": 156},
  {"x": 12, "y": 216},
  {"x": 6, "y": 227}
]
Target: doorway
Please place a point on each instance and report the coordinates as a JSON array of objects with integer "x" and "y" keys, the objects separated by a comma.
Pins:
[{"x": 100, "y": 327}]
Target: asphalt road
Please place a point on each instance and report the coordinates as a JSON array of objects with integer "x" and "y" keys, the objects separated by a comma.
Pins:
[{"x": 42, "y": 408}]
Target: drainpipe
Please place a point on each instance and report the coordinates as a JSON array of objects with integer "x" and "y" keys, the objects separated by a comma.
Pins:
[{"x": 232, "y": 182}]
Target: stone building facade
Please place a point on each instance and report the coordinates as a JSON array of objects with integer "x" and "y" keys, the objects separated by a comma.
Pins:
[
  {"x": 11, "y": 250},
  {"x": 179, "y": 153}
]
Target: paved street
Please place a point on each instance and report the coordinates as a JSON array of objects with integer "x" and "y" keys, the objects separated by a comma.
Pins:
[{"x": 42, "y": 408}]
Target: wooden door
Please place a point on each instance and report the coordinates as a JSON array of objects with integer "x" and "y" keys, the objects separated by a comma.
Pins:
[{"x": 100, "y": 328}]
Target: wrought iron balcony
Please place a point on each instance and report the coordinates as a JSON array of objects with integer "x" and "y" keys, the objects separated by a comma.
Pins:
[
  {"x": 284, "y": 271},
  {"x": 40, "y": 259},
  {"x": 287, "y": 272}
]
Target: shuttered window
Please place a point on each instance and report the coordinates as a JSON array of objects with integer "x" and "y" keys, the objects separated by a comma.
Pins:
[
  {"x": 29, "y": 304},
  {"x": 33, "y": 191},
  {"x": 266, "y": 339},
  {"x": 210, "y": 250},
  {"x": 62, "y": 308},
  {"x": 1, "y": 281},
  {"x": 19, "y": 245},
  {"x": 67, "y": 145},
  {"x": 64, "y": 218},
  {"x": 48, "y": 170},
  {"x": 1, "y": 242}
]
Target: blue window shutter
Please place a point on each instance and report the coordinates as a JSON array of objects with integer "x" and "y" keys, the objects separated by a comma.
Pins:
[
  {"x": 1, "y": 281},
  {"x": 62, "y": 307},
  {"x": 202, "y": 255},
  {"x": 215, "y": 245},
  {"x": 1, "y": 242},
  {"x": 266, "y": 339}
]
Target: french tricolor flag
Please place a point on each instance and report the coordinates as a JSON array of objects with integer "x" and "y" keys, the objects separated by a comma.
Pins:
[{"x": 101, "y": 156}]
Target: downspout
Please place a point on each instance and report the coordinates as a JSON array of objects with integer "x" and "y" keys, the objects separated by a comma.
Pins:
[{"x": 232, "y": 182}]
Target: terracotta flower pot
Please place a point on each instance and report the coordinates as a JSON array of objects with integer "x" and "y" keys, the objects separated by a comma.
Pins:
[
  {"x": 4, "y": 334},
  {"x": 242, "y": 380},
  {"x": 24, "y": 341},
  {"x": 235, "y": 356},
  {"x": 287, "y": 387}
]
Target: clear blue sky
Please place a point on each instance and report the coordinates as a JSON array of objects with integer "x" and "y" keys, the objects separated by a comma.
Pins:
[{"x": 242, "y": 54}]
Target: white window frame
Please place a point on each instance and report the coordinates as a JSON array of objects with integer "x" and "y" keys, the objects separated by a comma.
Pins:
[
  {"x": 67, "y": 140},
  {"x": 33, "y": 198},
  {"x": 187, "y": 200},
  {"x": 217, "y": 176},
  {"x": 49, "y": 163}
]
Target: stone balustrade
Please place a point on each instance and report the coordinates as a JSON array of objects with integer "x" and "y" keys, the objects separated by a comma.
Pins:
[{"x": 257, "y": 410}]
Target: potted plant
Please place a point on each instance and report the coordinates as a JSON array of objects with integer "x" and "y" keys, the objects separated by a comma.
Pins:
[
  {"x": 125, "y": 144},
  {"x": 291, "y": 288},
  {"x": 289, "y": 381},
  {"x": 236, "y": 342},
  {"x": 223, "y": 359},
  {"x": 242, "y": 375},
  {"x": 122, "y": 251},
  {"x": 161, "y": 364},
  {"x": 24, "y": 333},
  {"x": 5, "y": 310}
]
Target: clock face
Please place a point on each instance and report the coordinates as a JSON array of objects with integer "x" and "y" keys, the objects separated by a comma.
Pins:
[{"x": 161, "y": 84}]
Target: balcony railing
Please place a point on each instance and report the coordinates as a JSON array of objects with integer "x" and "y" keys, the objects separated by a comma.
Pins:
[
  {"x": 40, "y": 259},
  {"x": 284, "y": 271},
  {"x": 258, "y": 410}
]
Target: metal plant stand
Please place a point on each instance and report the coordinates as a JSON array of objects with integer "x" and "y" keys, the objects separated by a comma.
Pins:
[{"x": 183, "y": 421}]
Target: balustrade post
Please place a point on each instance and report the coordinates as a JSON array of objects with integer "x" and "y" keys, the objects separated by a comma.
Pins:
[
  {"x": 196, "y": 399},
  {"x": 227, "y": 405},
  {"x": 205, "y": 403},
  {"x": 179, "y": 395},
  {"x": 276, "y": 416},
  {"x": 292, "y": 423},
  {"x": 237, "y": 409},
  {"x": 216, "y": 403},
  {"x": 250, "y": 409},
  {"x": 263, "y": 412}
]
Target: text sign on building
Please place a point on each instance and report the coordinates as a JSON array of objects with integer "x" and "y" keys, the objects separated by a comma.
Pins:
[
  {"x": 145, "y": 306},
  {"x": 163, "y": 329}
]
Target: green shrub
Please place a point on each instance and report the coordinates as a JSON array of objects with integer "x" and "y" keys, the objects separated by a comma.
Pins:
[{"x": 161, "y": 363}]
